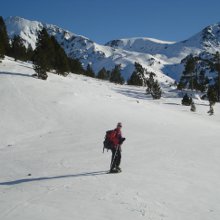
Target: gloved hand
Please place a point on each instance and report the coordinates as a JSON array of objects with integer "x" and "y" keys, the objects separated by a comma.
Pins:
[{"x": 122, "y": 140}]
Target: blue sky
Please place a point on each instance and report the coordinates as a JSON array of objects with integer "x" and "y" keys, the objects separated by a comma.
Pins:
[{"x": 104, "y": 20}]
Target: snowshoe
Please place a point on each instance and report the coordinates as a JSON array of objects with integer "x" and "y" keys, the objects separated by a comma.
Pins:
[
  {"x": 114, "y": 171},
  {"x": 118, "y": 169}
]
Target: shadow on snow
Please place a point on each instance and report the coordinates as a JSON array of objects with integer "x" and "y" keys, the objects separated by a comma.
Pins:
[
  {"x": 132, "y": 93},
  {"x": 15, "y": 74},
  {"x": 19, "y": 181}
]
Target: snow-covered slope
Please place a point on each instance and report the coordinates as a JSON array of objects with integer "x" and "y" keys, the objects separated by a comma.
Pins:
[
  {"x": 162, "y": 57},
  {"x": 87, "y": 51},
  {"x": 52, "y": 165},
  {"x": 206, "y": 40},
  {"x": 171, "y": 53},
  {"x": 141, "y": 45}
]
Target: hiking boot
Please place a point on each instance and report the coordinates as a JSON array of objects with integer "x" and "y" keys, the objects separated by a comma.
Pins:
[
  {"x": 118, "y": 169},
  {"x": 113, "y": 171}
]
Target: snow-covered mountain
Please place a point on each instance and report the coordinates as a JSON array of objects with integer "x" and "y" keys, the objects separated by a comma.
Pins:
[
  {"x": 162, "y": 57},
  {"x": 80, "y": 47},
  {"x": 206, "y": 40},
  {"x": 171, "y": 53},
  {"x": 140, "y": 45},
  {"x": 53, "y": 168}
]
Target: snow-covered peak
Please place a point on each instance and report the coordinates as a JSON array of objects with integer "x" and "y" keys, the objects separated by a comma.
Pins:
[
  {"x": 82, "y": 48},
  {"x": 28, "y": 30},
  {"x": 140, "y": 44},
  {"x": 206, "y": 40},
  {"x": 162, "y": 57},
  {"x": 17, "y": 24},
  {"x": 211, "y": 36}
]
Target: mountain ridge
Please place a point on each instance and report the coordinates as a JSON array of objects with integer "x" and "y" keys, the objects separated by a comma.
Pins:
[{"x": 162, "y": 57}]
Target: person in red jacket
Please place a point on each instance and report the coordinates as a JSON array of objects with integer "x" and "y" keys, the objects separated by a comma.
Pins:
[{"x": 117, "y": 141}]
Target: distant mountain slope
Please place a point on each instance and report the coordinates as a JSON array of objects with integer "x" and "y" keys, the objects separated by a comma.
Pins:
[
  {"x": 163, "y": 58},
  {"x": 140, "y": 44},
  {"x": 206, "y": 40}
]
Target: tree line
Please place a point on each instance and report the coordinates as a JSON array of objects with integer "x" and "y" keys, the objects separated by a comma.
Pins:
[
  {"x": 47, "y": 56},
  {"x": 195, "y": 75},
  {"x": 50, "y": 56},
  {"x": 141, "y": 77}
]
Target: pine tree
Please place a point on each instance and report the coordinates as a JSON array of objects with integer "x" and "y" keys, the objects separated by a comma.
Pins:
[
  {"x": 18, "y": 50},
  {"x": 211, "y": 109},
  {"x": 60, "y": 61},
  {"x": 202, "y": 81},
  {"x": 189, "y": 73},
  {"x": 196, "y": 68},
  {"x": 2, "y": 53},
  {"x": 186, "y": 100},
  {"x": 43, "y": 54},
  {"x": 41, "y": 65},
  {"x": 190, "y": 69},
  {"x": 150, "y": 82},
  {"x": 193, "y": 107},
  {"x": 75, "y": 66},
  {"x": 4, "y": 40},
  {"x": 103, "y": 74},
  {"x": 49, "y": 55},
  {"x": 29, "y": 53},
  {"x": 181, "y": 84},
  {"x": 217, "y": 68},
  {"x": 156, "y": 91},
  {"x": 153, "y": 86},
  {"x": 138, "y": 78},
  {"x": 40, "y": 69},
  {"x": 116, "y": 76},
  {"x": 212, "y": 95},
  {"x": 89, "y": 71}
]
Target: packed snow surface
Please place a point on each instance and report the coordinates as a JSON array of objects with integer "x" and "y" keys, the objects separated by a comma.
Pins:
[{"x": 52, "y": 165}]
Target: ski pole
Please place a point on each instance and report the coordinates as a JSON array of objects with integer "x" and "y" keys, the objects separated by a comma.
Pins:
[{"x": 114, "y": 157}]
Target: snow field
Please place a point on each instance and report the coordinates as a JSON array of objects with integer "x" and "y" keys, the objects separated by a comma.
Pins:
[{"x": 54, "y": 129}]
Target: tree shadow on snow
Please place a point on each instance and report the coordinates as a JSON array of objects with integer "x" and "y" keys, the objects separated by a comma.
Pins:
[
  {"x": 15, "y": 74},
  {"x": 171, "y": 103},
  {"x": 132, "y": 93},
  {"x": 25, "y": 180}
]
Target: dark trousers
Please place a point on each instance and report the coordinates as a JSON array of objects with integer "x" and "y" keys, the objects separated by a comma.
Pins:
[{"x": 116, "y": 157}]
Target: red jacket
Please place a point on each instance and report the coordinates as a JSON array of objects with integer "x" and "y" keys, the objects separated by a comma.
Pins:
[{"x": 117, "y": 137}]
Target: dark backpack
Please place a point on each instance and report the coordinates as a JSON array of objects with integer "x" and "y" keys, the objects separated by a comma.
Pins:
[{"x": 109, "y": 136}]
